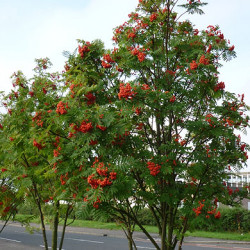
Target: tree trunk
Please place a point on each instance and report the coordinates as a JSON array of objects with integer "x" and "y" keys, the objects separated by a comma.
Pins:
[
  {"x": 130, "y": 240},
  {"x": 5, "y": 223},
  {"x": 64, "y": 227},
  {"x": 55, "y": 226},
  {"x": 129, "y": 226},
  {"x": 44, "y": 231},
  {"x": 129, "y": 235},
  {"x": 170, "y": 230},
  {"x": 38, "y": 202},
  {"x": 163, "y": 227},
  {"x": 132, "y": 217},
  {"x": 182, "y": 234},
  {"x": 163, "y": 238}
]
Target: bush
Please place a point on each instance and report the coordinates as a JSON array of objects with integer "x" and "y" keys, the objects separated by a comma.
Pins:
[
  {"x": 236, "y": 219},
  {"x": 232, "y": 220},
  {"x": 145, "y": 217},
  {"x": 246, "y": 222},
  {"x": 203, "y": 224},
  {"x": 27, "y": 208}
]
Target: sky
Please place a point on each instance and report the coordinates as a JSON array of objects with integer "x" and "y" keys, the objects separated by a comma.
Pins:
[{"x": 45, "y": 28}]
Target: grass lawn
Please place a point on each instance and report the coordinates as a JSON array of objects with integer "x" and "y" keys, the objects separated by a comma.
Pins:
[
  {"x": 221, "y": 235},
  {"x": 151, "y": 229}
]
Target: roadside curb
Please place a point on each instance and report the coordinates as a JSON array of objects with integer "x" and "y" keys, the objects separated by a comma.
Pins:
[{"x": 219, "y": 242}]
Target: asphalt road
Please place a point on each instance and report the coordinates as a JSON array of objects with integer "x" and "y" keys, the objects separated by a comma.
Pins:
[{"x": 14, "y": 237}]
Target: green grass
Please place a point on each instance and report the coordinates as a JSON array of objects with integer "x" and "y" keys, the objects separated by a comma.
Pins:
[
  {"x": 95, "y": 224},
  {"x": 107, "y": 225},
  {"x": 87, "y": 223},
  {"x": 151, "y": 229},
  {"x": 221, "y": 235}
]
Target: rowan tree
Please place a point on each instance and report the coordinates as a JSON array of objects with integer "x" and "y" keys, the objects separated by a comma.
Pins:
[
  {"x": 9, "y": 201},
  {"x": 146, "y": 124},
  {"x": 29, "y": 142},
  {"x": 167, "y": 128},
  {"x": 94, "y": 128}
]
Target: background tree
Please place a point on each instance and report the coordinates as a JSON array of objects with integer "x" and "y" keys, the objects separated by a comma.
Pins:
[
  {"x": 29, "y": 142},
  {"x": 9, "y": 201}
]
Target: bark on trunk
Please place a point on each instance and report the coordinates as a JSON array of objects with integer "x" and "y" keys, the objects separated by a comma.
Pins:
[
  {"x": 38, "y": 202},
  {"x": 64, "y": 227},
  {"x": 55, "y": 226},
  {"x": 170, "y": 230},
  {"x": 164, "y": 227}
]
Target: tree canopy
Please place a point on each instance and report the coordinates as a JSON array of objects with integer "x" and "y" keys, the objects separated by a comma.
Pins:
[{"x": 145, "y": 124}]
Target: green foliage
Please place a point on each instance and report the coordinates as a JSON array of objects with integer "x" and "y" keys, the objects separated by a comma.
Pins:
[
  {"x": 232, "y": 220},
  {"x": 146, "y": 124},
  {"x": 145, "y": 217}
]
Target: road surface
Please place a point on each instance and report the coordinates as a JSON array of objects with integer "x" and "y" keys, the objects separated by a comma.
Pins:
[{"x": 15, "y": 237}]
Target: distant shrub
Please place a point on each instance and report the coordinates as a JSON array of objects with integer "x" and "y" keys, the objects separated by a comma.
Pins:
[
  {"x": 232, "y": 220},
  {"x": 145, "y": 217}
]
